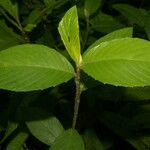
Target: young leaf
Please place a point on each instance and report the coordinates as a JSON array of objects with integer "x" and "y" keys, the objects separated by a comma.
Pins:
[
  {"x": 46, "y": 130},
  {"x": 90, "y": 7},
  {"x": 32, "y": 67},
  {"x": 68, "y": 140},
  {"x": 17, "y": 142},
  {"x": 11, "y": 8},
  {"x": 120, "y": 62},
  {"x": 121, "y": 33},
  {"x": 69, "y": 31}
]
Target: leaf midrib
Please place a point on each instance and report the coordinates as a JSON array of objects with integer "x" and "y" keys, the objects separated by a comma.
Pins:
[{"x": 35, "y": 66}]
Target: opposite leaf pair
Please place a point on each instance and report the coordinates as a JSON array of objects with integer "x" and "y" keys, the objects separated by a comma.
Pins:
[{"x": 124, "y": 61}]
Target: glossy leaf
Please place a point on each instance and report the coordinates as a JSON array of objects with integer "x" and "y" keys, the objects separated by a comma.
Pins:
[
  {"x": 32, "y": 67},
  {"x": 69, "y": 31},
  {"x": 120, "y": 33},
  {"x": 10, "y": 7},
  {"x": 17, "y": 142},
  {"x": 68, "y": 140},
  {"x": 46, "y": 130},
  {"x": 90, "y": 7},
  {"x": 120, "y": 62}
]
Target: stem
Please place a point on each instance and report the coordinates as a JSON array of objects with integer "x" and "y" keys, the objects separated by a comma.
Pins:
[
  {"x": 77, "y": 97},
  {"x": 24, "y": 35}
]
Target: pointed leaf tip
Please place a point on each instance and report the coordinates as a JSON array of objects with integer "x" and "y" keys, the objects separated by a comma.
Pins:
[{"x": 69, "y": 31}]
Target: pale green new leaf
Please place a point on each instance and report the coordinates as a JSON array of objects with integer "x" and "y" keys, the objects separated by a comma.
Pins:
[
  {"x": 120, "y": 62},
  {"x": 68, "y": 140},
  {"x": 17, "y": 142},
  {"x": 69, "y": 31},
  {"x": 10, "y": 7},
  {"x": 90, "y": 7},
  {"x": 46, "y": 130},
  {"x": 120, "y": 33},
  {"x": 32, "y": 67}
]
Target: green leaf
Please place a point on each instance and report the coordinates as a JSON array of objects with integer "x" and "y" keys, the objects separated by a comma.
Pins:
[
  {"x": 17, "y": 142},
  {"x": 33, "y": 19},
  {"x": 68, "y": 140},
  {"x": 121, "y": 33},
  {"x": 32, "y": 67},
  {"x": 120, "y": 62},
  {"x": 90, "y": 7},
  {"x": 10, "y": 129},
  {"x": 105, "y": 23},
  {"x": 60, "y": 3},
  {"x": 147, "y": 25},
  {"x": 138, "y": 93},
  {"x": 140, "y": 143},
  {"x": 121, "y": 126},
  {"x": 91, "y": 141},
  {"x": 7, "y": 37},
  {"x": 133, "y": 14},
  {"x": 10, "y": 7},
  {"x": 69, "y": 31},
  {"x": 141, "y": 120},
  {"x": 35, "y": 16},
  {"x": 46, "y": 130},
  {"x": 50, "y": 3}
]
